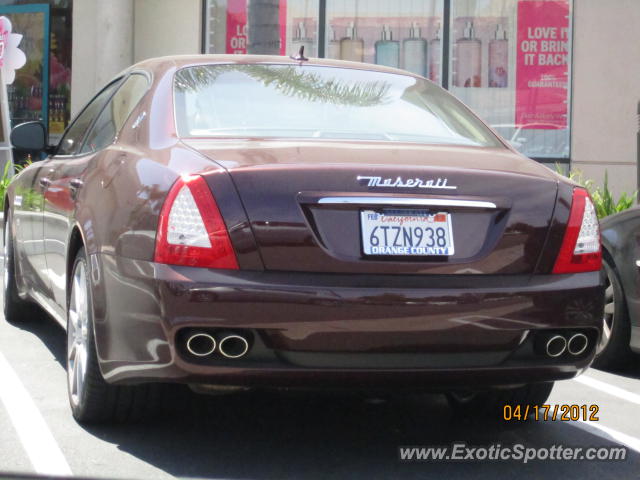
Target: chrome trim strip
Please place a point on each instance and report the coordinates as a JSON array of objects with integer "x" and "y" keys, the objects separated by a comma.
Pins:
[{"x": 421, "y": 202}]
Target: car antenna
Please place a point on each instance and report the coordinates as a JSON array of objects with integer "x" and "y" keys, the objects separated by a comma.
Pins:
[{"x": 300, "y": 57}]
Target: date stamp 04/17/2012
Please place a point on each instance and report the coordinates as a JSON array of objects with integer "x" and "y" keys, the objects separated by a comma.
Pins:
[{"x": 563, "y": 413}]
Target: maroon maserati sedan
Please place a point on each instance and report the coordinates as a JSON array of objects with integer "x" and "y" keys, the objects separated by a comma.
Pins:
[{"x": 265, "y": 222}]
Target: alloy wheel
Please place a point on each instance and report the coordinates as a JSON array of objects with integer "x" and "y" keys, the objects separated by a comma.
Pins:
[
  {"x": 608, "y": 318},
  {"x": 78, "y": 333}
]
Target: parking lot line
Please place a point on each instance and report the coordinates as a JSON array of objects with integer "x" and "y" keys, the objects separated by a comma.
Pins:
[
  {"x": 609, "y": 389},
  {"x": 36, "y": 438},
  {"x": 610, "y": 434}
]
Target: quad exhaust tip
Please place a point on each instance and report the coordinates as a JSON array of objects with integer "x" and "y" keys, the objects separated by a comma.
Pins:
[
  {"x": 233, "y": 346},
  {"x": 556, "y": 346},
  {"x": 577, "y": 344},
  {"x": 201, "y": 344},
  {"x": 229, "y": 345}
]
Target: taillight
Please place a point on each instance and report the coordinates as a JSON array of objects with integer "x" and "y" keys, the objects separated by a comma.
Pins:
[
  {"x": 191, "y": 230},
  {"x": 580, "y": 251}
]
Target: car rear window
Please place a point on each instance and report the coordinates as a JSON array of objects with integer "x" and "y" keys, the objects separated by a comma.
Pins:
[{"x": 317, "y": 102}]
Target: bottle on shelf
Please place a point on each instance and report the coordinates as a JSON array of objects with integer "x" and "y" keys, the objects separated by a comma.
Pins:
[
  {"x": 300, "y": 39},
  {"x": 467, "y": 64},
  {"x": 387, "y": 49},
  {"x": 499, "y": 59},
  {"x": 333, "y": 45},
  {"x": 435, "y": 56},
  {"x": 352, "y": 47},
  {"x": 415, "y": 51}
]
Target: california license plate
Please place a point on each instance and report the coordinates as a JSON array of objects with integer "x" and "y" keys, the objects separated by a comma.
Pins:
[{"x": 406, "y": 232}]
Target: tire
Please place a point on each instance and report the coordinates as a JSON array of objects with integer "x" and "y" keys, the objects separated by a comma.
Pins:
[
  {"x": 613, "y": 348},
  {"x": 16, "y": 309},
  {"x": 489, "y": 405},
  {"x": 91, "y": 398}
]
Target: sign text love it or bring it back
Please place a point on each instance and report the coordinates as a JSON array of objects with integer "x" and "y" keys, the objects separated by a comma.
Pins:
[{"x": 542, "y": 73}]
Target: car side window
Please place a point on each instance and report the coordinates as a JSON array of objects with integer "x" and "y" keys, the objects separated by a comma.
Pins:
[
  {"x": 115, "y": 114},
  {"x": 73, "y": 137}
]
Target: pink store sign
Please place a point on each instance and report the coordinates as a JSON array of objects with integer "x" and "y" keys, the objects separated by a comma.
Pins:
[
  {"x": 4, "y": 36},
  {"x": 542, "y": 61},
  {"x": 237, "y": 26}
]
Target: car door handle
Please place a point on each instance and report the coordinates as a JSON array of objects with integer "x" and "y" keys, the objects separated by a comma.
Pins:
[
  {"x": 75, "y": 184},
  {"x": 45, "y": 182}
]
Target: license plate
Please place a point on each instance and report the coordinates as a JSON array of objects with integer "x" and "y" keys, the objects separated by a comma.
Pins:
[{"x": 406, "y": 232}]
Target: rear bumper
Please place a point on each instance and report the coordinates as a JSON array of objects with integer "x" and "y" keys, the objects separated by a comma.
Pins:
[{"x": 309, "y": 330}]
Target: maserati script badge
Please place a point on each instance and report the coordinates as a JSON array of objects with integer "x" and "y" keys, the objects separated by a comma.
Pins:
[{"x": 379, "y": 182}]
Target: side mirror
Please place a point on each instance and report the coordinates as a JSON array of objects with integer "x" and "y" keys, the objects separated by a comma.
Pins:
[{"x": 30, "y": 136}]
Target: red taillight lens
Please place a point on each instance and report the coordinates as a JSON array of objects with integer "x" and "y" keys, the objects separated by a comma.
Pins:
[
  {"x": 580, "y": 251},
  {"x": 191, "y": 230}
]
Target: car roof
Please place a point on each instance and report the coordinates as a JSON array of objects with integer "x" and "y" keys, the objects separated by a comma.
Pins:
[{"x": 158, "y": 64}]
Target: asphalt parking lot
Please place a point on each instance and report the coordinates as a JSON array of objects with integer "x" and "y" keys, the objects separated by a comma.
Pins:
[{"x": 285, "y": 435}]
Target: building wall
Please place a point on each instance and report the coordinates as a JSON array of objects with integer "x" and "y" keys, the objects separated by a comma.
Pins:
[
  {"x": 162, "y": 27},
  {"x": 606, "y": 90},
  {"x": 100, "y": 49},
  {"x": 128, "y": 31}
]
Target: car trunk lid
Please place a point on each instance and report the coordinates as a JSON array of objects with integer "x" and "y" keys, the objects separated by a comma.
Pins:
[{"x": 306, "y": 200}]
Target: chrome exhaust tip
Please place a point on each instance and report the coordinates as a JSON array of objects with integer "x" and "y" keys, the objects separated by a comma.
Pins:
[
  {"x": 201, "y": 344},
  {"x": 555, "y": 346},
  {"x": 577, "y": 344},
  {"x": 233, "y": 346}
]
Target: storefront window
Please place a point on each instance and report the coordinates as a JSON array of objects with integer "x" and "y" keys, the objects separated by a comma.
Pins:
[
  {"x": 275, "y": 27},
  {"x": 403, "y": 34},
  {"x": 46, "y": 42},
  {"x": 509, "y": 62},
  {"x": 28, "y": 92},
  {"x": 60, "y": 70}
]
